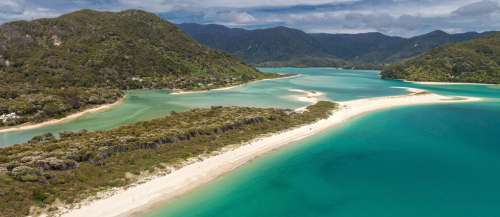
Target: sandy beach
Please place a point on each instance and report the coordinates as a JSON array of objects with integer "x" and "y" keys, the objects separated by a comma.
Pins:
[
  {"x": 178, "y": 92},
  {"x": 158, "y": 189},
  {"x": 444, "y": 83},
  {"x": 29, "y": 126},
  {"x": 311, "y": 97},
  {"x": 70, "y": 117}
]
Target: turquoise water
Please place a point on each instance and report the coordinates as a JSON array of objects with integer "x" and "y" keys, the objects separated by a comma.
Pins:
[
  {"x": 147, "y": 104},
  {"x": 434, "y": 160},
  {"x": 488, "y": 91},
  {"x": 339, "y": 85},
  {"x": 438, "y": 160}
]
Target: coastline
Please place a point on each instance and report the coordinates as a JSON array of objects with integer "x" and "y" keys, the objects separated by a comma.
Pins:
[
  {"x": 179, "y": 92},
  {"x": 446, "y": 83},
  {"x": 311, "y": 97},
  {"x": 155, "y": 190},
  {"x": 29, "y": 126}
]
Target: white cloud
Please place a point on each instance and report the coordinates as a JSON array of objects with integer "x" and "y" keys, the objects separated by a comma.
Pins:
[
  {"x": 20, "y": 9},
  {"x": 151, "y": 5},
  {"x": 481, "y": 8},
  {"x": 241, "y": 17},
  {"x": 265, "y": 3},
  {"x": 399, "y": 17},
  {"x": 9, "y": 7}
]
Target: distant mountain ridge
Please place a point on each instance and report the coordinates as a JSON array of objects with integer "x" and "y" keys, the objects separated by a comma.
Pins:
[
  {"x": 287, "y": 46},
  {"x": 256, "y": 46}
]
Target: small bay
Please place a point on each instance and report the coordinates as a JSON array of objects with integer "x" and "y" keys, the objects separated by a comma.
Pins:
[
  {"x": 336, "y": 84},
  {"x": 141, "y": 105}
]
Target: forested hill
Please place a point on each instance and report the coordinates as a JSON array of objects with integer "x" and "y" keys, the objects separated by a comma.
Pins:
[
  {"x": 285, "y": 46},
  {"x": 256, "y": 46},
  {"x": 477, "y": 60},
  {"x": 93, "y": 55},
  {"x": 91, "y": 48}
]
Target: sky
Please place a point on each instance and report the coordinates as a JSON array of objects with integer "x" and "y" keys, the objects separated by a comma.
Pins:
[{"x": 393, "y": 17}]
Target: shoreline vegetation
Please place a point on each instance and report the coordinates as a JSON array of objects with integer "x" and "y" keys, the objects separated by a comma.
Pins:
[
  {"x": 450, "y": 83},
  {"x": 280, "y": 76},
  {"x": 155, "y": 178},
  {"x": 70, "y": 117},
  {"x": 445, "y": 83},
  {"x": 71, "y": 114},
  {"x": 311, "y": 97},
  {"x": 47, "y": 171},
  {"x": 103, "y": 107},
  {"x": 472, "y": 61},
  {"x": 88, "y": 58},
  {"x": 138, "y": 199}
]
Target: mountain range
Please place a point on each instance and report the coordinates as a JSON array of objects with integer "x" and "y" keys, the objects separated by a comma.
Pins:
[{"x": 282, "y": 46}]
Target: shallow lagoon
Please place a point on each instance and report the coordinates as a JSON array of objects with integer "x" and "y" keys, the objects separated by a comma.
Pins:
[
  {"x": 434, "y": 160},
  {"x": 147, "y": 104}
]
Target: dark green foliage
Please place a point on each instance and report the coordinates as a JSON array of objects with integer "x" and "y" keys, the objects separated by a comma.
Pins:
[
  {"x": 36, "y": 104},
  {"x": 51, "y": 67},
  {"x": 417, "y": 45},
  {"x": 476, "y": 61},
  {"x": 257, "y": 46},
  {"x": 80, "y": 164},
  {"x": 130, "y": 49},
  {"x": 39, "y": 196},
  {"x": 283, "y": 46}
]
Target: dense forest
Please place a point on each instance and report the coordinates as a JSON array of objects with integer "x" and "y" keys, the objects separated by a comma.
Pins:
[
  {"x": 477, "y": 61},
  {"x": 50, "y": 67},
  {"x": 49, "y": 170},
  {"x": 282, "y": 46}
]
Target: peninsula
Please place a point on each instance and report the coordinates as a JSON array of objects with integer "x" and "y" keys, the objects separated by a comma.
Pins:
[
  {"x": 86, "y": 171},
  {"x": 158, "y": 188}
]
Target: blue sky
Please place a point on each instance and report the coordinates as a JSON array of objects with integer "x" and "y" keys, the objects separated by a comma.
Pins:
[{"x": 393, "y": 17}]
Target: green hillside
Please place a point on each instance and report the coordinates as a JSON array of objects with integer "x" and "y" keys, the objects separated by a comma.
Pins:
[
  {"x": 477, "y": 61},
  {"x": 50, "y": 67}
]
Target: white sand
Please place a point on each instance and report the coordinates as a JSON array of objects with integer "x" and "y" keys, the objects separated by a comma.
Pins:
[
  {"x": 178, "y": 92},
  {"x": 444, "y": 83},
  {"x": 182, "y": 92},
  {"x": 162, "y": 188},
  {"x": 70, "y": 117},
  {"x": 311, "y": 97}
]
